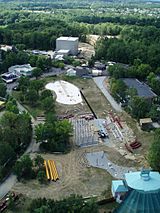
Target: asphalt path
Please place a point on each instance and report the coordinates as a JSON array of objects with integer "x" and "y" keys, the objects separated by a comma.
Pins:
[
  {"x": 10, "y": 181},
  {"x": 100, "y": 83}
]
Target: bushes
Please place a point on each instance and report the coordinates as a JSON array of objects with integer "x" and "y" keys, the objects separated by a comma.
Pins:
[
  {"x": 73, "y": 203},
  {"x": 25, "y": 168}
]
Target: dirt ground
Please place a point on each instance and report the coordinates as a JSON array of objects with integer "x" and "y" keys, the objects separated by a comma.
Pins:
[
  {"x": 87, "y": 50},
  {"x": 75, "y": 176},
  {"x": 94, "y": 96}
]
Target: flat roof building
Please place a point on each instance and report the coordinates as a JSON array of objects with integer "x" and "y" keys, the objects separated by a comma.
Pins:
[
  {"x": 9, "y": 77},
  {"x": 68, "y": 43},
  {"x": 143, "y": 90},
  {"x": 21, "y": 70}
]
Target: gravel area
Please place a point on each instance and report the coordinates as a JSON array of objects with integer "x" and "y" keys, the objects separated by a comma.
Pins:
[{"x": 100, "y": 160}]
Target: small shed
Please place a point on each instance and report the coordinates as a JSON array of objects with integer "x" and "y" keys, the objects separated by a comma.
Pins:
[
  {"x": 145, "y": 122},
  {"x": 96, "y": 72},
  {"x": 119, "y": 189},
  {"x": 71, "y": 72}
]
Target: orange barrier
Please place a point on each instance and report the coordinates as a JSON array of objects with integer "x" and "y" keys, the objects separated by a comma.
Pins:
[
  {"x": 51, "y": 171},
  {"x": 47, "y": 172}
]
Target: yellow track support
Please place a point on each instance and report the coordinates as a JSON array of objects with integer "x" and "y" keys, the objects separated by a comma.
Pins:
[
  {"x": 56, "y": 176},
  {"x": 51, "y": 171},
  {"x": 47, "y": 172}
]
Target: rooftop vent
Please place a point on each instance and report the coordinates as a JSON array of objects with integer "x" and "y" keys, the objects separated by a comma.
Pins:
[{"x": 145, "y": 174}]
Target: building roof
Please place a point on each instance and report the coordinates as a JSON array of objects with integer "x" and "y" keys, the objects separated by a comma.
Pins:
[
  {"x": 145, "y": 121},
  {"x": 63, "y": 52},
  {"x": 24, "y": 67},
  {"x": 146, "y": 182},
  {"x": 67, "y": 38},
  {"x": 143, "y": 90},
  {"x": 2, "y": 103},
  {"x": 140, "y": 202},
  {"x": 118, "y": 186},
  {"x": 81, "y": 71}
]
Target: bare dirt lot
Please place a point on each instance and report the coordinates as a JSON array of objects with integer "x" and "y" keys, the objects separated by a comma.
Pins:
[
  {"x": 75, "y": 176},
  {"x": 94, "y": 96},
  {"x": 87, "y": 50}
]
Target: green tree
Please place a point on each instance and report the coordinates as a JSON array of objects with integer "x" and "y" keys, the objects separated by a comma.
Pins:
[
  {"x": 23, "y": 84},
  {"x": 6, "y": 153},
  {"x": 11, "y": 106},
  {"x": 45, "y": 94},
  {"x": 32, "y": 97},
  {"x": 48, "y": 104},
  {"x": 36, "y": 85},
  {"x": 139, "y": 107},
  {"x": 154, "y": 113},
  {"x": 143, "y": 70},
  {"x": 154, "y": 152},
  {"x": 118, "y": 89},
  {"x": 41, "y": 176},
  {"x": 3, "y": 90},
  {"x": 39, "y": 161},
  {"x": 23, "y": 167},
  {"x": 37, "y": 72}
]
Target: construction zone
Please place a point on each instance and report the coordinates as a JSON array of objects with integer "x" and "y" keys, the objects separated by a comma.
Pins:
[
  {"x": 104, "y": 144},
  {"x": 51, "y": 170}
]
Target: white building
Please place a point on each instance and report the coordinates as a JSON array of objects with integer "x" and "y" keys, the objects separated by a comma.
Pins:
[
  {"x": 67, "y": 43},
  {"x": 21, "y": 70},
  {"x": 9, "y": 77},
  {"x": 96, "y": 72},
  {"x": 6, "y": 47},
  {"x": 71, "y": 72}
]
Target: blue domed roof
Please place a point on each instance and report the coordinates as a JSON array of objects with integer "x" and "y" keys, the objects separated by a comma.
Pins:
[{"x": 144, "y": 180}]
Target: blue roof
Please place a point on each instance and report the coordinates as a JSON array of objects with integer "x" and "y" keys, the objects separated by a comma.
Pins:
[
  {"x": 136, "y": 181},
  {"x": 143, "y": 90},
  {"x": 140, "y": 202},
  {"x": 118, "y": 186}
]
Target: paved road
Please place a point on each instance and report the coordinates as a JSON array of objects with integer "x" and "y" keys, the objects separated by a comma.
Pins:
[
  {"x": 7, "y": 185},
  {"x": 100, "y": 83}
]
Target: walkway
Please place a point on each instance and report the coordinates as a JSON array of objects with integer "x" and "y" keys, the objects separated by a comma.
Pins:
[
  {"x": 7, "y": 185},
  {"x": 100, "y": 84}
]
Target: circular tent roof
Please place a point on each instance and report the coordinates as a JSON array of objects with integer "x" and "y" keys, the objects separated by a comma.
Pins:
[
  {"x": 144, "y": 193},
  {"x": 145, "y": 182}
]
